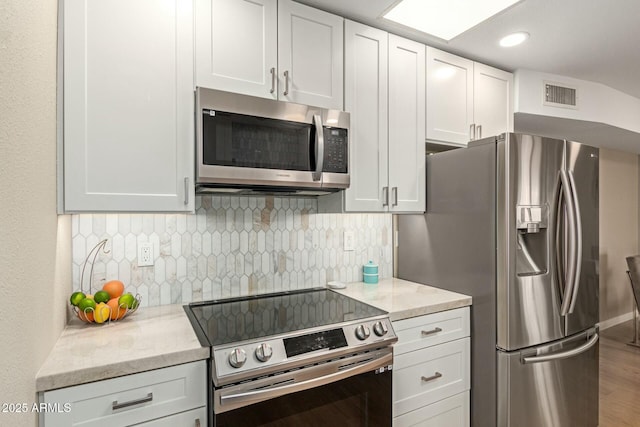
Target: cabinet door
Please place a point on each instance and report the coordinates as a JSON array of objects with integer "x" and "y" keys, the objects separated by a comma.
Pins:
[
  {"x": 194, "y": 418},
  {"x": 450, "y": 412},
  {"x": 236, "y": 46},
  {"x": 493, "y": 100},
  {"x": 365, "y": 99},
  {"x": 130, "y": 399},
  {"x": 310, "y": 56},
  {"x": 449, "y": 97},
  {"x": 407, "y": 178},
  {"x": 128, "y": 105}
]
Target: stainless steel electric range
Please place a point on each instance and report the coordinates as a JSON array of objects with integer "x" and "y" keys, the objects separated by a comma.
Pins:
[{"x": 312, "y": 357}]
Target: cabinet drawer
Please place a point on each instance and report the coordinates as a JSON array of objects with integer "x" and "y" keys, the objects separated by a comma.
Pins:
[
  {"x": 450, "y": 412},
  {"x": 425, "y": 376},
  {"x": 193, "y": 418},
  {"x": 141, "y": 397},
  {"x": 424, "y": 331}
]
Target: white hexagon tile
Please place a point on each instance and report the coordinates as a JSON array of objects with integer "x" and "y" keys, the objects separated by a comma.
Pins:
[{"x": 232, "y": 246}]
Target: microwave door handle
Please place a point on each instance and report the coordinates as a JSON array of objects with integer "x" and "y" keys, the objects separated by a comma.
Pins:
[{"x": 317, "y": 174}]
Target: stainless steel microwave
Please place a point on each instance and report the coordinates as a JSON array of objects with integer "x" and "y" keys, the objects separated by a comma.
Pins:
[{"x": 256, "y": 145}]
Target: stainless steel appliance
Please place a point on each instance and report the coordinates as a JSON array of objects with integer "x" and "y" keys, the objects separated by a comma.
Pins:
[
  {"x": 246, "y": 144},
  {"x": 513, "y": 222},
  {"x": 309, "y": 357}
]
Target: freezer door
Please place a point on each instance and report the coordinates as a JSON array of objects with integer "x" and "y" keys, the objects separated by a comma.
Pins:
[
  {"x": 529, "y": 297},
  {"x": 553, "y": 385},
  {"x": 582, "y": 169}
]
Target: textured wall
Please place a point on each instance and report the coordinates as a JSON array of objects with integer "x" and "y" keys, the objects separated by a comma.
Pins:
[
  {"x": 618, "y": 230},
  {"x": 34, "y": 280},
  {"x": 232, "y": 246}
]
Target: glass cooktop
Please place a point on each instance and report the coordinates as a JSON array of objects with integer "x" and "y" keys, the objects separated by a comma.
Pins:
[{"x": 226, "y": 321}]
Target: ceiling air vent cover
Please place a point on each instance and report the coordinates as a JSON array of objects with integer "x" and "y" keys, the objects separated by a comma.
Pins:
[{"x": 560, "y": 96}]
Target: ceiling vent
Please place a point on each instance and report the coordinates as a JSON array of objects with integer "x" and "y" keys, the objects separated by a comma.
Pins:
[{"x": 556, "y": 95}]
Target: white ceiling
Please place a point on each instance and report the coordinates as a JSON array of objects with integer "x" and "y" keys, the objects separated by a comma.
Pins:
[{"x": 595, "y": 40}]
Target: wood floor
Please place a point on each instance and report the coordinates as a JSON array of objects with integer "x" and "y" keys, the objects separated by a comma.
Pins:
[{"x": 619, "y": 378}]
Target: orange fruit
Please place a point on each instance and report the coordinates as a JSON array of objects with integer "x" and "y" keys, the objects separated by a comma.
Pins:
[
  {"x": 87, "y": 317},
  {"x": 117, "y": 312},
  {"x": 115, "y": 288}
]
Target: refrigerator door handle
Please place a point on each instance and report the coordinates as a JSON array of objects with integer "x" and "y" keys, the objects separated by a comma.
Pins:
[
  {"x": 578, "y": 243},
  {"x": 571, "y": 250},
  {"x": 563, "y": 354}
]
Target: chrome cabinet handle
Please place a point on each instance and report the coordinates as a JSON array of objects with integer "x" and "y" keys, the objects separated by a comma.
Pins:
[
  {"x": 479, "y": 132},
  {"x": 431, "y": 378},
  {"x": 273, "y": 80},
  {"x": 394, "y": 196},
  {"x": 472, "y": 131},
  {"x": 186, "y": 190},
  {"x": 115, "y": 405},
  {"x": 431, "y": 332},
  {"x": 317, "y": 174},
  {"x": 385, "y": 196},
  {"x": 286, "y": 83}
]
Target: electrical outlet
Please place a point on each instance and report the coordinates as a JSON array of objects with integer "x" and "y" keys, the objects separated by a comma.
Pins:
[
  {"x": 349, "y": 241},
  {"x": 145, "y": 254}
]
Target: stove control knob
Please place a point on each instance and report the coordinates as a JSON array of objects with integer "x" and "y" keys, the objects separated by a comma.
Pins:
[
  {"x": 264, "y": 352},
  {"x": 362, "y": 332},
  {"x": 237, "y": 358},
  {"x": 380, "y": 329}
]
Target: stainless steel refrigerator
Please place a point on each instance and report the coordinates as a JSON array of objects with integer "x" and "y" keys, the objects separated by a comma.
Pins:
[{"x": 513, "y": 221}]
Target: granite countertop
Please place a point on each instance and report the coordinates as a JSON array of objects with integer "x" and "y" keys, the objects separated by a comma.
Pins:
[
  {"x": 404, "y": 299},
  {"x": 158, "y": 337},
  {"x": 151, "y": 338}
]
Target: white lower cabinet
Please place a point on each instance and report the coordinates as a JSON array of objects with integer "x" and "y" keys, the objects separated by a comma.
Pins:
[
  {"x": 173, "y": 396},
  {"x": 432, "y": 370},
  {"x": 452, "y": 411},
  {"x": 194, "y": 418}
]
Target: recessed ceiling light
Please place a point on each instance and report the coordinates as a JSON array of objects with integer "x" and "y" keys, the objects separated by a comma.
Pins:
[
  {"x": 445, "y": 18},
  {"x": 514, "y": 39}
]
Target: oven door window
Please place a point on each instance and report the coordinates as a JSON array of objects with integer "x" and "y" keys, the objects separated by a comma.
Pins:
[
  {"x": 253, "y": 142},
  {"x": 358, "y": 401}
]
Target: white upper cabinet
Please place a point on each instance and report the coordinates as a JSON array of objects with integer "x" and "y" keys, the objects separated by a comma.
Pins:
[
  {"x": 407, "y": 175},
  {"x": 365, "y": 98},
  {"x": 493, "y": 100},
  {"x": 236, "y": 46},
  {"x": 449, "y": 97},
  {"x": 128, "y": 136},
  {"x": 385, "y": 95},
  {"x": 466, "y": 100},
  {"x": 271, "y": 49}
]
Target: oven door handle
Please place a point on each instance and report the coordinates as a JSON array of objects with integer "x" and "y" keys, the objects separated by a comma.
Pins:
[{"x": 269, "y": 393}]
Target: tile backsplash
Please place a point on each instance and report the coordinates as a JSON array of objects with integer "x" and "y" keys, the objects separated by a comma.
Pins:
[{"x": 232, "y": 246}]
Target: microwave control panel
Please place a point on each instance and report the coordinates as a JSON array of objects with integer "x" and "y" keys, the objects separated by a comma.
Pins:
[{"x": 335, "y": 150}]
